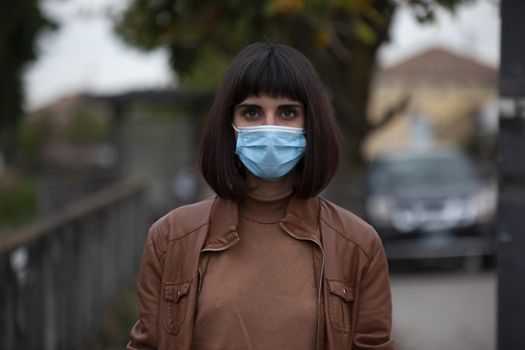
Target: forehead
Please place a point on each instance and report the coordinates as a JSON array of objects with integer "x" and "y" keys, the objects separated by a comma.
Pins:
[{"x": 266, "y": 100}]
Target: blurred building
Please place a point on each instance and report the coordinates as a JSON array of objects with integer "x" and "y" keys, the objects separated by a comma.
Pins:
[
  {"x": 92, "y": 140},
  {"x": 156, "y": 133},
  {"x": 453, "y": 100},
  {"x": 77, "y": 134}
]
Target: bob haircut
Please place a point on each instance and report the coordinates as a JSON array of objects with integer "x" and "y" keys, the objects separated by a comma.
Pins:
[{"x": 275, "y": 70}]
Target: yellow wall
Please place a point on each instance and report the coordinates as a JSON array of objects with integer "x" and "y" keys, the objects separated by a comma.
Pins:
[{"x": 450, "y": 107}]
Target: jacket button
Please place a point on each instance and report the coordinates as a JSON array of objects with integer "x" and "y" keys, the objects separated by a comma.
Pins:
[{"x": 344, "y": 290}]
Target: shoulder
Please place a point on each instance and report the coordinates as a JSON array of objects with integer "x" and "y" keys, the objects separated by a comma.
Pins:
[
  {"x": 182, "y": 221},
  {"x": 349, "y": 226}
]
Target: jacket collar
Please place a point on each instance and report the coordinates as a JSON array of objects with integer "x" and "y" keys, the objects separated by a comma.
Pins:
[
  {"x": 224, "y": 222},
  {"x": 301, "y": 218}
]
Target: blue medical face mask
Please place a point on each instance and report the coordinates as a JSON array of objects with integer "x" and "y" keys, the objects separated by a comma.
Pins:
[{"x": 270, "y": 151}]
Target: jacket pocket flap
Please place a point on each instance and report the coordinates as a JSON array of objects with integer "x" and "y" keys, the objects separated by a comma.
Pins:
[
  {"x": 341, "y": 289},
  {"x": 174, "y": 291}
]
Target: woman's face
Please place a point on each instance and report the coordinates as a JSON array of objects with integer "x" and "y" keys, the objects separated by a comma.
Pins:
[{"x": 266, "y": 110}]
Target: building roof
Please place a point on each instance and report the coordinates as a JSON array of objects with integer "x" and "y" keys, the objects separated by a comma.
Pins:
[{"x": 439, "y": 65}]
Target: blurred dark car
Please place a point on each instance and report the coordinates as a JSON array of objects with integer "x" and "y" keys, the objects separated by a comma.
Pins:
[{"x": 431, "y": 204}]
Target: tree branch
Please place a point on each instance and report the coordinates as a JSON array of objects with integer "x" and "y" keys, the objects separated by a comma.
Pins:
[{"x": 392, "y": 112}]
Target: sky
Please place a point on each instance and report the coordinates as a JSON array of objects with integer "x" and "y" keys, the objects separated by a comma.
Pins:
[{"x": 84, "y": 55}]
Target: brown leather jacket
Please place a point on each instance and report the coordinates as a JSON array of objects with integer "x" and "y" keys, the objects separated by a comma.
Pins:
[{"x": 354, "y": 306}]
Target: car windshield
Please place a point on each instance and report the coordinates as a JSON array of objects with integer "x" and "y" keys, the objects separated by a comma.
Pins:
[{"x": 420, "y": 171}]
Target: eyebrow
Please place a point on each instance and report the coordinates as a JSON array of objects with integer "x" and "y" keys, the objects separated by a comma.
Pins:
[{"x": 248, "y": 105}]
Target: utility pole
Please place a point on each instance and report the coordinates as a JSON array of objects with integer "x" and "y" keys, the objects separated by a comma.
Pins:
[{"x": 511, "y": 162}]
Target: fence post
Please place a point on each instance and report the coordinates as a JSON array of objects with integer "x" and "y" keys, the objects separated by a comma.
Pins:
[
  {"x": 511, "y": 225},
  {"x": 8, "y": 290}
]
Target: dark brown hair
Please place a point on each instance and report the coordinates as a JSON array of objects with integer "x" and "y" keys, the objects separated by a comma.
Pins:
[{"x": 276, "y": 70}]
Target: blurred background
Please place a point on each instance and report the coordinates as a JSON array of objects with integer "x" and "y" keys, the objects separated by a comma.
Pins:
[{"x": 101, "y": 108}]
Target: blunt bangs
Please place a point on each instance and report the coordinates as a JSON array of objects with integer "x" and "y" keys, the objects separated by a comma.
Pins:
[
  {"x": 275, "y": 70},
  {"x": 271, "y": 74}
]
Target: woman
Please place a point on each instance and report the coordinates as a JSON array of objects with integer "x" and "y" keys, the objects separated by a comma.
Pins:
[{"x": 266, "y": 264}]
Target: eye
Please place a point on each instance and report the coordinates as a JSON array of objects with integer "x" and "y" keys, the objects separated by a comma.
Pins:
[
  {"x": 250, "y": 113},
  {"x": 288, "y": 113}
]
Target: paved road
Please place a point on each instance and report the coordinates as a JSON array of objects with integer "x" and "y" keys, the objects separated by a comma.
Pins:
[{"x": 444, "y": 310}]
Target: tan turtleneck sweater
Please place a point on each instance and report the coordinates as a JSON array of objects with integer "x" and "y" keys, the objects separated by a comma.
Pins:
[{"x": 260, "y": 293}]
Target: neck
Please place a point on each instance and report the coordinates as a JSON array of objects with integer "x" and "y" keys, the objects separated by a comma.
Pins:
[
  {"x": 266, "y": 201},
  {"x": 264, "y": 190}
]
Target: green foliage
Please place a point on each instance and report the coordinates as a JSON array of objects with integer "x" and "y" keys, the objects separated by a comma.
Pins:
[
  {"x": 20, "y": 24},
  {"x": 156, "y": 112},
  {"x": 203, "y": 36},
  {"x": 365, "y": 33},
  {"x": 208, "y": 71},
  {"x": 120, "y": 319},
  {"x": 31, "y": 138},
  {"x": 86, "y": 126},
  {"x": 18, "y": 202}
]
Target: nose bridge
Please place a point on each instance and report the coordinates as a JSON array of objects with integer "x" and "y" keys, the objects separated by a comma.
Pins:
[{"x": 270, "y": 115}]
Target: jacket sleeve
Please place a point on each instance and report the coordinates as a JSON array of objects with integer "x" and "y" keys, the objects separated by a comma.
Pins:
[
  {"x": 144, "y": 335},
  {"x": 374, "y": 319}
]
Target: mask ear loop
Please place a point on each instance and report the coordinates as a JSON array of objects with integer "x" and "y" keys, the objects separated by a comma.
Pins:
[{"x": 238, "y": 163}]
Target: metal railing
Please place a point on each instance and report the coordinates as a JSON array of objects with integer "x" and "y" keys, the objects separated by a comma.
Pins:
[{"x": 59, "y": 276}]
